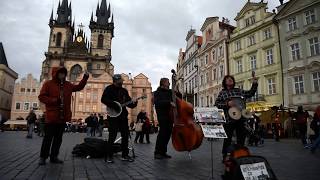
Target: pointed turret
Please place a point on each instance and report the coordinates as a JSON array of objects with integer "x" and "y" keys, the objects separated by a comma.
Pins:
[
  {"x": 112, "y": 19},
  {"x": 91, "y": 20},
  {"x": 51, "y": 21},
  {"x": 64, "y": 13}
]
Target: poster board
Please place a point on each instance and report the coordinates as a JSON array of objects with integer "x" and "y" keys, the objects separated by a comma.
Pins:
[
  {"x": 209, "y": 115},
  {"x": 254, "y": 171},
  {"x": 213, "y": 131}
]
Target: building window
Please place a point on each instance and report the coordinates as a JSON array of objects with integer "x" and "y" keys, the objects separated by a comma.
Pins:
[
  {"x": 80, "y": 107},
  {"x": 207, "y": 77},
  {"x": 33, "y": 90},
  {"x": 81, "y": 95},
  {"x": 239, "y": 66},
  {"x": 206, "y": 59},
  {"x": 26, "y": 106},
  {"x": 271, "y": 86},
  {"x": 186, "y": 90},
  {"x": 269, "y": 54},
  {"x": 28, "y": 90},
  {"x": 247, "y": 22},
  {"x": 98, "y": 66},
  {"x": 310, "y": 16},
  {"x": 292, "y": 24},
  {"x": 35, "y": 105},
  {"x": 88, "y": 108},
  {"x": 316, "y": 81},
  {"x": 214, "y": 73},
  {"x": 190, "y": 85},
  {"x": 267, "y": 33},
  {"x": 18, "y": 106},
  {"x": 22, "y": 90},
  {"x": 95, "y": 96},
  {"x": 58, "y": 42},
  {"x": 314, "y": 46},
  {"x": 94, "y": 108},
  {"x": 253, "y": 62},
  {"x": 88, "y": 96},
  {"x": 252, "y": 19},
  {"x": 298, "y": 84},
  {"x": 202, "y": 102},
  {"x": 100, "y": 41},
  {"x": 251, "y": 40},
  {"x": 221, "y": 71},
  {"x": 238, "y": 45},
  {"x": 295, "y": 51},
  {"x": 213, "y": 55},
  {"x": 220, "y": 51}
]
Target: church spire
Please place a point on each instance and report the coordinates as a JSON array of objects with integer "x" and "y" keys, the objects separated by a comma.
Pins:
[
  {"x": 91, "y": 20},
  {"x": 51, "y": 19},
  {"x": 64, "y": 13}
]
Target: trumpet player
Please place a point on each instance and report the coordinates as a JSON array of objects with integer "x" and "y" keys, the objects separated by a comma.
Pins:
[{"x": 225, "y": 101}]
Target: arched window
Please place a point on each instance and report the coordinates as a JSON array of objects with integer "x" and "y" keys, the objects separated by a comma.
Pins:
[
  {"x": 75, "y": 72},
  {"x": 100, "y": 41},
  {"x": 58, "y": 42}
]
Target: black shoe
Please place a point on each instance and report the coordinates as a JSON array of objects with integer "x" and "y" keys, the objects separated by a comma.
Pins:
[
  {"x": 127, "y": 158},
  {"x": 159, "y": 156},
  {"x": 167, "y": 156},
  {"x": 56, "y": 161},
  {"x": 42, "y": 161}
]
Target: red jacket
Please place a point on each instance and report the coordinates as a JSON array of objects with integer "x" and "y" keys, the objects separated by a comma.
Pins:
[{"x": 50, "y": 96}]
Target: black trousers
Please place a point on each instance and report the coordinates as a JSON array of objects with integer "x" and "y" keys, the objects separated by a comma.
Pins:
[
  {"x": 52, "y": 140},
  {"x": 139, "y": 136},
  {"x": 116, "y": 125},
  {"x": 241, "y": 132},
  {"x": 164, "y": 135}
]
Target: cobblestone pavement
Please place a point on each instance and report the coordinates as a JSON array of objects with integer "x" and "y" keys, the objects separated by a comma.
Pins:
[{"x": 19, "y": 160}]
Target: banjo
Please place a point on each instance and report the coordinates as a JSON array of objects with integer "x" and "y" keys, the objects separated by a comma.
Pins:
[{"x": 115, "y": 112}]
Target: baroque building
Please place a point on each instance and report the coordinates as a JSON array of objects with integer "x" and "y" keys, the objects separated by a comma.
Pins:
[
  {"x": 7, "y": 79},
  {"x": 299, "y": 29},
  {"x": 25, "y": 98},
  {"x": 79, "y": 53},
  {"x": 212, "y": 60},
  {"x": 254, "y": 46}
]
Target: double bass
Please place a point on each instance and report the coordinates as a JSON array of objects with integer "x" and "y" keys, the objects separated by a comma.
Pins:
[{"x": 186, "y": 134}]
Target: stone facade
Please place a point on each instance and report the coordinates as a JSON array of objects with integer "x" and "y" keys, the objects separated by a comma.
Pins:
[
  {"x": 7, "y": 79},
  {"x": 78, "y": 55},
  {"x": 212, "y": 59},
  {"x": 254, "y": 46},
  {"x": 25, "y": 98},
  {"x": 299, "y": 28}
]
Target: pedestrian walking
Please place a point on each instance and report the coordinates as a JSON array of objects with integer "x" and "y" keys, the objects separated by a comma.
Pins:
[
  {"x": 31, "y": 120},
  {"x": 301, "y": 119},
  {"x": 316, "y": 120}
]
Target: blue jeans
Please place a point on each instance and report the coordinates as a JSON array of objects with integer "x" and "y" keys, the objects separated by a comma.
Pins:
[
  {"x": 316, "y": 143},
  {"x": 30, "y": 129}
]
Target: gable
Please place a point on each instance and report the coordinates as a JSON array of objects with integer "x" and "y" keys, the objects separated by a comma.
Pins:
[
  {"x": 295, "y": 6},
  {"x": 249, "y": 6}
]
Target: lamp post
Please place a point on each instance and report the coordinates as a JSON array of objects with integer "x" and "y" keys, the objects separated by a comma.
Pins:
[{"x": 197, "y": 83}]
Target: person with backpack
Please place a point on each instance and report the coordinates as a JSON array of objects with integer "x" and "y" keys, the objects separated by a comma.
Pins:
[{"x": 31, "y": 120}]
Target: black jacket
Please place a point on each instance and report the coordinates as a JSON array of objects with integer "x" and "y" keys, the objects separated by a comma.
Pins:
[
  {"x": 112, "y": 93},
  {"x": 31, "y": 118},
  {"x": 162, "y": 99}
]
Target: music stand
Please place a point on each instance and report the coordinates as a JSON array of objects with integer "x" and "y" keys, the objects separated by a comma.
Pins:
[{"x": 211, "y": 121}]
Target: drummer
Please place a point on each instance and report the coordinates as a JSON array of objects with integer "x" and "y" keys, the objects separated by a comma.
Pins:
[{"x": 225, "y": 101}]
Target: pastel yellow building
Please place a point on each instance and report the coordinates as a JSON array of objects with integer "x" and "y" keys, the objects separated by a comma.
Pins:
[{"x": 254, "y": 46}]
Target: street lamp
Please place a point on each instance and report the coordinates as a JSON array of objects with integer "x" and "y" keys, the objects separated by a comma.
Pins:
[{"x": 197, "y": 83}]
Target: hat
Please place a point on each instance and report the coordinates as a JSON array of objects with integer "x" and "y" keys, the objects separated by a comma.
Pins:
[{"x": 116, "y": 77}]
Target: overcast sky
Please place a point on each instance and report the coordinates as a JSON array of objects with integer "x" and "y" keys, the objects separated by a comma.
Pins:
[{"x": 148, "y": 33}]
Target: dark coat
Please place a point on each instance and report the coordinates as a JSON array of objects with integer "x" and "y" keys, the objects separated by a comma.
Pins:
[
  {"x": 162, "y": 100},
  {"x": 50, "y": 96},
  {"x": 31, "y": 118}
]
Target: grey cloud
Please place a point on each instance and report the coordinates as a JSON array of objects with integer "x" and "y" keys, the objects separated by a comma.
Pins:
[{"x": 148, "y": 33}]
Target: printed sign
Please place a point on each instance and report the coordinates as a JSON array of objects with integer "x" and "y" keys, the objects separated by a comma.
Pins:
[
  {"x": 255, "y": 171},
  {"x": 209, "y": 115},
  {"x": 213, "y": 131}
]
